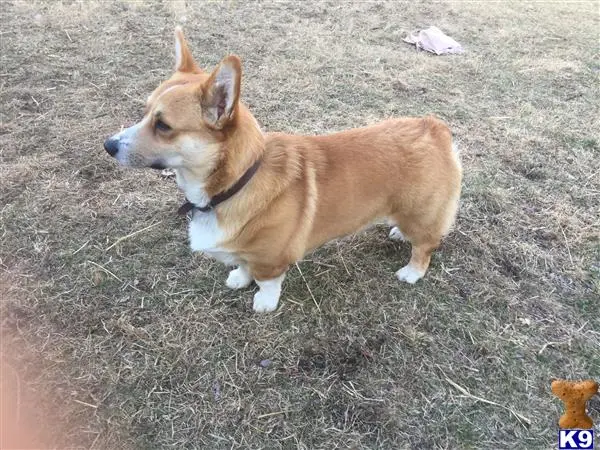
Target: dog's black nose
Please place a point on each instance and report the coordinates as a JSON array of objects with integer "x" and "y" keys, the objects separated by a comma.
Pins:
[{"x": 111, "y": 146}]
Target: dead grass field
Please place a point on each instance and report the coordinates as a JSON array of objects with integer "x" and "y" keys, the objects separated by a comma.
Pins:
[{"x": 143, "y": 346}]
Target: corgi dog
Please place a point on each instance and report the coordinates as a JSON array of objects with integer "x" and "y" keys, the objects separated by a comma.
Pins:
[{"x": 261, "y": 201}]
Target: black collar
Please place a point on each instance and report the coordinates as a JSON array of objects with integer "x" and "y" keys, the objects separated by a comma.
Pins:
[{"x": 221, "y": 196}]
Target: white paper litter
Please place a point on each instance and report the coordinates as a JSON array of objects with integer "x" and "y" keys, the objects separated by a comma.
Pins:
[{"x": 434, "y": 40}]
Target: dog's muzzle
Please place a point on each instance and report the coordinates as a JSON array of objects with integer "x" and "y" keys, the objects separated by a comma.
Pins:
[{"x": 111, "y": 145}]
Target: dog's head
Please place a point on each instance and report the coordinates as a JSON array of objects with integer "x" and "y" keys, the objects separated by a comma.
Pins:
[{"x": 187, "y": 118}]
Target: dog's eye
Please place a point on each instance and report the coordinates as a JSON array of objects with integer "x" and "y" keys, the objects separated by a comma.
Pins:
[{"x": 161, "y": 126}]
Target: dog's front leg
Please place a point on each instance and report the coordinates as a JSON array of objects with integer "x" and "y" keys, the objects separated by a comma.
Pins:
[
  {"x": 239, "y": 278},
  {"x": 269, "y": 281},
  {"x": 267, "y": 297}
]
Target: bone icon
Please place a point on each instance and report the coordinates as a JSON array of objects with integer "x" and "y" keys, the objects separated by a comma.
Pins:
[{"x": 575, "y": 396}]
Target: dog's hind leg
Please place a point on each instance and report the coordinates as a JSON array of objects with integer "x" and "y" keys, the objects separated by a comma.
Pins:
[
  {"x": 396, "y": 234},
  {"x": 419, "y": 262},
  {"x": 424, "y": 236},
  {"x": 425, "y": 232}
]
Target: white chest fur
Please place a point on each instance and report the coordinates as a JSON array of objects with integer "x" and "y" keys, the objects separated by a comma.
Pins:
[
  {"x": 206, "y": 235},
  {"x": 204, "y": 232}
]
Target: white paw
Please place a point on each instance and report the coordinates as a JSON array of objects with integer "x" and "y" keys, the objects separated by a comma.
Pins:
[
  {"x": 265, "y": 301},
  {"x": 396, "y": 234},
  {"x": 409, "y": 274},
  {"x": 238, "y": 278}
]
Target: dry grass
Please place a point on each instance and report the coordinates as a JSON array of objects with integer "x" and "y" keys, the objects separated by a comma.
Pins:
[{"x": 139, "y": 345}]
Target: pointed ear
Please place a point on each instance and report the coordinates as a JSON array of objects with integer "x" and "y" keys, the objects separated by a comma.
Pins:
[
  {"x": 221, "y": 92},
  {"x": 184, "y": 61}
]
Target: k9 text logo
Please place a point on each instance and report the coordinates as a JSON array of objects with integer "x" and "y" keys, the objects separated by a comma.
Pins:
[{"x": 575, "y": 439}]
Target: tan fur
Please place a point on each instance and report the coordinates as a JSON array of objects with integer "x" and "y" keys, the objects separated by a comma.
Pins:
[
  {"x": 308, "y": 189},
  {"x": 315, "y": 189}
]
